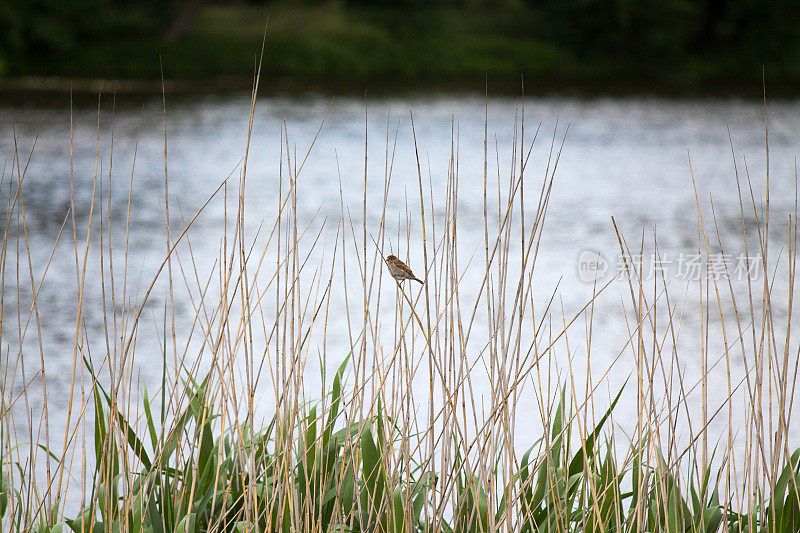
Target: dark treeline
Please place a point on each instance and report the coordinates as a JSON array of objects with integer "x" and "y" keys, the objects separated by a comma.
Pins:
[
  {"x": 32, "y": 29},
  {"x": 652, "y": 34},
  {"x": 669, "y": 29},
  {"x": 644, "y": 28}
]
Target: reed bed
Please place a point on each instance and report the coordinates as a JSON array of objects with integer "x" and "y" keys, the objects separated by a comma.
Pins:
[{"x": 400, "y": 437}]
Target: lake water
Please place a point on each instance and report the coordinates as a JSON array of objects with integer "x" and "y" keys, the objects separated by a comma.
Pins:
[{"x": 623, "y": 157}]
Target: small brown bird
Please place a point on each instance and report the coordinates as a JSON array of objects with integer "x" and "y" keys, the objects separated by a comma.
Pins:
[{"x": 399, "y": 270}]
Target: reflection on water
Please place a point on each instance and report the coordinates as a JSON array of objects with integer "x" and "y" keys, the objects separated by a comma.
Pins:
[{"x": 646, "y": 162}]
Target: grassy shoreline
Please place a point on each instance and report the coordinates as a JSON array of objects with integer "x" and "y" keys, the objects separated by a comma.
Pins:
[{"x": 49, "y": 88}]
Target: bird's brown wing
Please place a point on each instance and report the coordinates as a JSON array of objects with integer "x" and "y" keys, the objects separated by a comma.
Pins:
[
  {"x": 404, "y": 267},
  {"x": 408, "y": 271}
]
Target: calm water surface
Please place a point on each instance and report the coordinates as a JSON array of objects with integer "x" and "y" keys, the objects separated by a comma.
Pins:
[{"x": 630, "y": 158}]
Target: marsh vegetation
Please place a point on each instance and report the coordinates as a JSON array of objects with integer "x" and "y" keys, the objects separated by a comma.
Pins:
[{"x": 250, "y": 422}]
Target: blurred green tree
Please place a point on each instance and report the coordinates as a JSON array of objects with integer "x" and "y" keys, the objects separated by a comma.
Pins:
[
  {"x": 39, "y": 30},
  {"x": 634, "y": 28},
  {"x": 757, "y": 30},
  {"x": 665, "y": 30}
]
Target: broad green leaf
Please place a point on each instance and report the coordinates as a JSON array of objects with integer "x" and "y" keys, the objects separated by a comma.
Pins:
[
  {"x": 577, "y": 463},
  {"x": 188, "y": 524}
]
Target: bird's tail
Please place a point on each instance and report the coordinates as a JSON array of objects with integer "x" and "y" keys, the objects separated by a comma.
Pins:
[{"x": 417, "y": 279}]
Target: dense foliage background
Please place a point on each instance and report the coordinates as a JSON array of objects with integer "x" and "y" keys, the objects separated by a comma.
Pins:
[{"x": 395, "y": 40}]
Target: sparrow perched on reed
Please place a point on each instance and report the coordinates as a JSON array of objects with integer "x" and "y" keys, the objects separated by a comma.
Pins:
[{"x": 399, "y": 270}]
